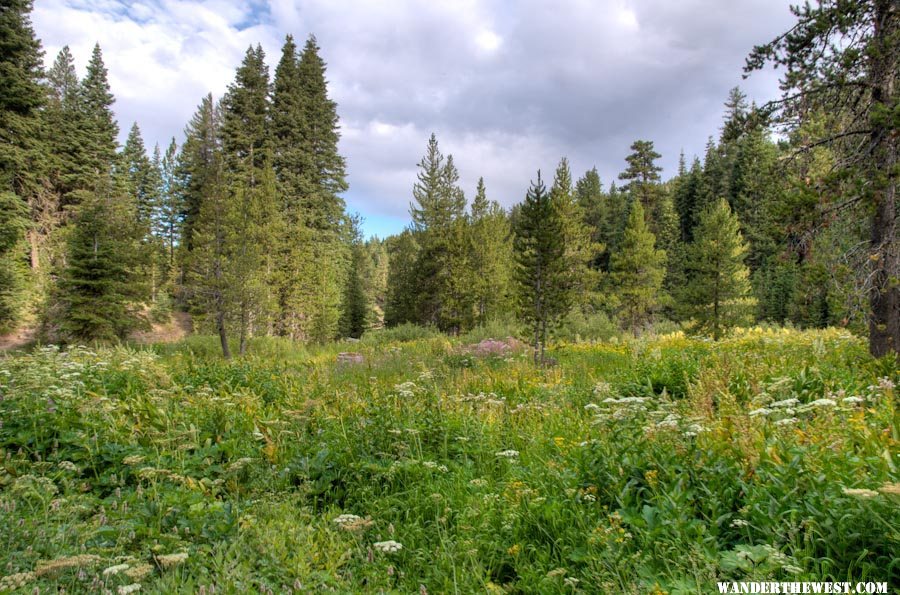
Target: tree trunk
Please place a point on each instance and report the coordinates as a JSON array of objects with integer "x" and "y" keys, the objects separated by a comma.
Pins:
[
  {"x": 223, "y": 336},
  {"x": 884, "y": 297}
]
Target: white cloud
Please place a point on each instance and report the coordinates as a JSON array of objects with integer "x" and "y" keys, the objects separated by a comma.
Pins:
[{"x": 508, "y": 86}]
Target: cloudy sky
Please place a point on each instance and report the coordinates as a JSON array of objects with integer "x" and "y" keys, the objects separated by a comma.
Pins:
[{"x": 508, "y": 86}]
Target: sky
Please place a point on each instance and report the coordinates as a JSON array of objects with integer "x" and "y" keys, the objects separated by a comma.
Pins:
[{"x": 508, "y": 86}]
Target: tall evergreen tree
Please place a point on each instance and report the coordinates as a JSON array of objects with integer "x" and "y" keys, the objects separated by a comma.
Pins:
[
  {"x": 541, "y": 271},
  {"x": 581, "y": 281},
  {"x": 101, "y": 129},
  {"x": 199, "y": 163},
  {"x": 101, "y": 292},
  {"x": 170, "y": 216},
  {"x": 402, "y": 280},
  {"x": 21, "y": 98},
  {"x": 356, "y": 316},
  {"x": 643, "y": 184},
  {"x": 439, "y": 204},
  {"x": 65, "y": 127},
  {"x": 247, "y": 156},
  {"x": 842, "y": 59},
  {"x": 637, "y": 270},
  {"x": 490, "y": 241},
  {"x": 717, "y": 292},
  {"x": 315, "y": 248}
]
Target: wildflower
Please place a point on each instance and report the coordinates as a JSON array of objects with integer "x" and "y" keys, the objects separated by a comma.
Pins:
[
  {"x": 17, "y": 580},
  {"x": 126, "y": 589},
  {"x": 138, "y": 572},
  {"x": 388, "y": 547},
  {"x": 54, "y": 566},
  {"x": 853, "y": 400},
  {"x": 890, "y": 488},
  {"x": 885, "y": 384},
  {"x": 671, "y": 421},
  {"x": 860, "y": 492},
  {"x": 785, "y": 403},
  {"x": 514, "y": 549},
  {"x": 345, "y": 518},
  {"x": 478, "y": 482},
  {"x": 592, "y": 407},
  {"x": 171, "y": 560},
  {"x": 508, "y": 454},
  {"x": 738, "y": 523},
  {"x": 67, "y": 466},
  {"x": 820, "y": 403},
  {"x": 589, "y": 498},
  {"x": 761, "y": 411},
  {"x": 115, "y": 569},
  {"x": 786, "y": 421}
]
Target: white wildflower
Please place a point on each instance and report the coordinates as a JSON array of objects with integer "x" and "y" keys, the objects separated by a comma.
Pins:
[
  {"x": 388, "y": 547},
  {"x": 592, "y": 407},
  {"x": 508, "y": 454},
  {"x": 345, "y": 518},
  {"x": 885, "y": 384},
  {"x": 761, "y": 411},
  {"x": 821, "y": 403},
  {"x": 737, "y": 523},
  {"x": 115, "y": 569},
  {"x": 853, "y": 400},
  {"x": 126, "y": 589},
  {"x": 785, "y": 403},
  {"x": 786, "y": 421}
]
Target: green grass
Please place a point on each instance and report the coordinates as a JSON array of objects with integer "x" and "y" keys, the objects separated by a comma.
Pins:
[{"x": 656, "y": 465}]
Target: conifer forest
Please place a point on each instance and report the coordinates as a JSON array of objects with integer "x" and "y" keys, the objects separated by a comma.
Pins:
[{"x": 213, "y": 381}]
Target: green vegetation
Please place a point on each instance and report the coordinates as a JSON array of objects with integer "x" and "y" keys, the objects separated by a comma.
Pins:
[{"x": 650, "y": 465}]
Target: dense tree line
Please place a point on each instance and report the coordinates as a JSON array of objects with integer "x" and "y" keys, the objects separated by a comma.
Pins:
[{"x": 243, "y": 223}]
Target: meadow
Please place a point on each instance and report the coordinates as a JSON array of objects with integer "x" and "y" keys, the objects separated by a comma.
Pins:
[{"x": 653, "y": 465}]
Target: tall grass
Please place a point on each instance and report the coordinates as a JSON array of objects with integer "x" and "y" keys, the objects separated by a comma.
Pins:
[{"x": 654, "y": 465}]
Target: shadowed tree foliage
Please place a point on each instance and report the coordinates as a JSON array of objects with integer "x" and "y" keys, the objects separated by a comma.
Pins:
[{"x": 842, "y": 58}]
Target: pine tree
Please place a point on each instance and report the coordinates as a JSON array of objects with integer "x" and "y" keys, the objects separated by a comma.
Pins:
[
  {"x": 402, "y": 279},
  {"x": 593, "y": 203},
  {"x": 199, "y": 163},
  {"x": 140, "y": 177},
  {"x": 842, "y": 59},
  {"x": 541, "y": 272},
  {"x": 207, "y": 271},
  {"x": 643, "y": 184},
  {"x": 491, "y": 257},
  {"x": 65, "y": 128},
  {"x": 21, "y": 98},
  {"x": 101, "y": 291},
  {"x": 717, "y": 293},
  {"x": 315, "y": 254},
  {"x": 100, "y": 125},
  {"x": 247, "y": 156},
  {"x": 439, "y": 204},
  {"x": 581, "y": 281},
  {"x": 637, "y": 270},
  {"x": 356, "y": 316},
  {"x": 170, "y": 216},
  {"x": 13, "y": 224}
]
